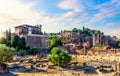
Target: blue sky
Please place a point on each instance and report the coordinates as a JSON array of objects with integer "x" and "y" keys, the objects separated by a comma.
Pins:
[{"x": 56, "y": 15}]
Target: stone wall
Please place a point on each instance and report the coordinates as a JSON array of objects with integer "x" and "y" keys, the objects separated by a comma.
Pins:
[
  {"x": 37, "y": 41},
  {"x": 71, "y": 37}
]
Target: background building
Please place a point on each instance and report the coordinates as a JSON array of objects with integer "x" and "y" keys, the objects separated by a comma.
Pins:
[
  {"x": 23, "y": 30},
  {"x": 70, "y": 37},
  {"x": 33, "y": 35}
]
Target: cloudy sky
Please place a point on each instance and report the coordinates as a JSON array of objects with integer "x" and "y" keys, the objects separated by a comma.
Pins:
[{"x": 55, "y": 15}]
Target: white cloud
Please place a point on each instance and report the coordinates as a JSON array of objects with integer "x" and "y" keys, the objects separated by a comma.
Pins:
[
  {"x": 15, "y": 12},
  {"x": 71, "y": 14},
  {"x": 110, "y": 24},
  {"x": 106, "y": 10},
  {"x": 69, "y": 4}
]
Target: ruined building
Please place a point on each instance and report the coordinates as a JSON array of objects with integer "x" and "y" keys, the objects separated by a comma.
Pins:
[
  {"x": 70, "y": 37},
  {"x": 33, "y": 35},
  {"x": 25, "y": 29},
  {"x": 100, "y": 39},
  {"x": 104, "y": 40}
]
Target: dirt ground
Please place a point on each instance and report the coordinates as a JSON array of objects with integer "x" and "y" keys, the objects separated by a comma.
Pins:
[{"x": 64, "y": 73}]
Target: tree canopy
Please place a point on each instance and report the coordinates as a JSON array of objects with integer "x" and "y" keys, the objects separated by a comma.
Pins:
[
  {"x": 75, "y": 30},
  {"x": 59, "y": 57},
  {"x": 19, "y": 43},
  {"x": 6, "y": 53},
  {"x": 22, "y": 43},
  {"x": 15, "y": 41},
  {"x": 54, "y": 42},
  {"x": 87, "y": 31},
  {"x": 52, "y": 37},
  {"x": 8, "y": 37},
  {"x": 118, "y": 43},
  {"x": 3, "y": 40}
]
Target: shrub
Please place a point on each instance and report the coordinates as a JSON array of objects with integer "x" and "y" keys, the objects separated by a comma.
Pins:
[
  {"x": 6, "y": 53},
  {"x": 54, "y": 42},
  {"x": 59, "y": 57},
  {"x": 22, "y": 52},
  {"x": 17, "y": 48},
  {"x": 27, "y": 47},
  {"x": 33, "y": 51},
  {"x": 3, "y": 40}
]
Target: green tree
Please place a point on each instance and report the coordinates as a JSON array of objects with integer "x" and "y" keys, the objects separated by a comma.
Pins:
[
  {"x": 66, "y": 31},
  {"x": 3, "y": 40},
  {"x": 52, "y": 37},
  {"x": 17, "y": 48},
  {"x": 54, "y": 43},
  {"x": 6, "y": 53},
  {"x": 27, "y": 47},
  {"x": 79, "y": 31},
  {"x": 8, "y": 37},
  {"x": 15, "y": 41},
  {"x": 22, "y": 52},
  {"x": 34, "y": 51},
  {"x": 59, "y": 57},
  {"x": 9, "y": 34},
  {"x": 19, "y": 43},
  {"x": 74, "y": 30},
  {"x": 22, "y": 43},
  {"x": 118, "y": 43},
  {"x": 97, "y": 32}
]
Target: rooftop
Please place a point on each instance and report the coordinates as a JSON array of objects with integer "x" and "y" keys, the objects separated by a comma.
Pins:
[{"x": 26, "y": 25}]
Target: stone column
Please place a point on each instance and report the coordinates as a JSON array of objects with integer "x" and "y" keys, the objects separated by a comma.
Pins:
[{"x": 93, "y": 40}]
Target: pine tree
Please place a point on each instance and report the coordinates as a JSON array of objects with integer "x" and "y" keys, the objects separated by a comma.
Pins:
[{"x": 8, "y": 37}]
